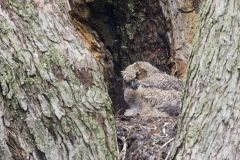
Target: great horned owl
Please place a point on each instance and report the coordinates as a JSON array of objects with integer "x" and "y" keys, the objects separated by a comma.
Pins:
[
  {"x": 146, "y": 74},
  {"x": 138, "y": 70},
  {"x": 151, "y": 92}
]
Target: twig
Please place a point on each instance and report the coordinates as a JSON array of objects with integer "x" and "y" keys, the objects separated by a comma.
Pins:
[
  {"x": 166, "y": 143},
  {"x": 167, "y": 155},
  {"x": 122, "y": 154}
]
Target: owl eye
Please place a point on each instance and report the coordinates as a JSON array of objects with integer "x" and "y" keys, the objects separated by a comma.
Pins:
[
  {"x": 138, "y": 75},
  {"x": 141, "y": 73}
]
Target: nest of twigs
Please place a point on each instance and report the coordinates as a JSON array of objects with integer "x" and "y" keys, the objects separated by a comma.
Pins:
[{"x": 145, "y": 138}]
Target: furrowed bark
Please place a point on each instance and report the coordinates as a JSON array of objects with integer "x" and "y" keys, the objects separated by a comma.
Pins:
[
  {"x": 53, "y": 101},
  {"x": 209, "y": 124}
]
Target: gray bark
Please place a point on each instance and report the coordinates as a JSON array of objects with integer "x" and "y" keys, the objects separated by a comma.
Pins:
[
  {"x": 53, "y": 100},
  {"x": 209, "y": 124}
]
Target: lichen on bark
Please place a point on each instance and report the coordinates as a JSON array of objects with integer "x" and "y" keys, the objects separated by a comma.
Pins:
[
  {"x": 209, "y": 125},
  {"x": 54, "y": 101}
]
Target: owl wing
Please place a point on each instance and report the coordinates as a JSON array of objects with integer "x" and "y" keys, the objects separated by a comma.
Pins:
[
  {"x": 162, "y": 81},
  {"x": 168, "y": 101},
  {"x": 172, "y": 108}
]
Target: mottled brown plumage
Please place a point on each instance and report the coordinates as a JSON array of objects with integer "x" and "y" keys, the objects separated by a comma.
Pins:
[
  {"x": 138, "y": 70},
  {"x": 151, "y": 92}
]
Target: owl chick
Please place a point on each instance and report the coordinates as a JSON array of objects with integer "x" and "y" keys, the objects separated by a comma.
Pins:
[
  {"x": 151, "y": 92},
  {"x": 147, "y": 75},
  {"x": 138, "y": 70}
]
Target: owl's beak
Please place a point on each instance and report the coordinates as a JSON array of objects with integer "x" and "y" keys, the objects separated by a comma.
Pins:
[{"x": 134, "y": 84}]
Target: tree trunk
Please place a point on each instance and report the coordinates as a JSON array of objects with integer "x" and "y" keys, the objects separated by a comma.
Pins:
[
  {"x": 53, "y": 101},
  {"x": 209, "y": 124}
]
